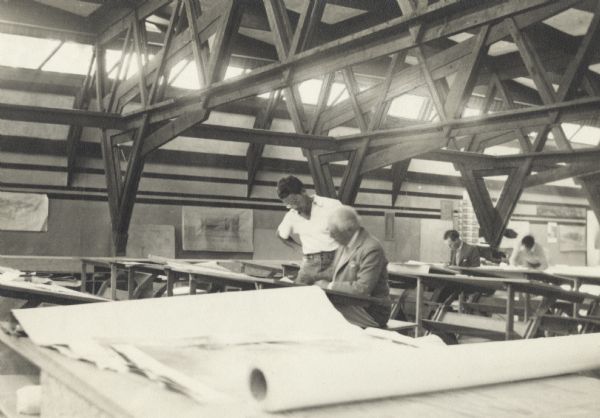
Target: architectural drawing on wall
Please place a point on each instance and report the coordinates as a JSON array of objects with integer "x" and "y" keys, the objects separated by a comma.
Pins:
[
  {"x": 23, "y": 212},
  {"x": 147, "y": 240},
  {"x": 561, "y": 211},
  {"x": 217, "y": 229},
  {"x": 572, "y": 237}
]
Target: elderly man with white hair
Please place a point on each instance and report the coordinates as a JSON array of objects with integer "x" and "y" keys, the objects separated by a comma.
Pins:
[{"x": 360, "y": 269}]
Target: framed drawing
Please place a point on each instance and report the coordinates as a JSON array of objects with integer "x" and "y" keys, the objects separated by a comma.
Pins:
[
  {"x": 217, "y": 229},
  {"x": 572, "y": 238},
  {"x": 145, "y": 240},
  {"x": 23, "y": 212}
]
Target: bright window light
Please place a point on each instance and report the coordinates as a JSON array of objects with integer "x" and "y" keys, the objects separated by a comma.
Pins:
[
  {"x": 570, "y": 129},
  {"x": 188, "y": 78},
  {"x": 338, "y": 94},
  {"x": 589, "y": 135},
  {"x": 406, "y": 106},
  {"x": 71, "y": 58},
  {"x": 309, "y": 91},
  {"x": 23, "y": 51},
  {"x": 471, "y": 112},
  {"x": 233, "y": 72}
]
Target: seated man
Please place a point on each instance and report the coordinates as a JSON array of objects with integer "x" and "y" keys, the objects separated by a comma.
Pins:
[
  {"x": 529, "y": 254},
  {"x": 360, "y": 269},
  {"x": 461, "y": 253}
]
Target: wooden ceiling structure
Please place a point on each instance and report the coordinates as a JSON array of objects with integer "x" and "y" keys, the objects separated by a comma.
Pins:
[{"x": 379, "y": 49}]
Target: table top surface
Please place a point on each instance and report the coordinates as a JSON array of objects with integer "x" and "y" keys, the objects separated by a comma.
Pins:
[{"x": 130, "y": 395}]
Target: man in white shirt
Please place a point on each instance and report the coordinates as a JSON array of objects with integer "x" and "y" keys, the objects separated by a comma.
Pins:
[
  {"x": 529, "y": 254},
  {"x": 307, "y": 217}
]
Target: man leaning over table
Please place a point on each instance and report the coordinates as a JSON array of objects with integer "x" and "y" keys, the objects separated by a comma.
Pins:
[
  {"x": 307, "y": 218},
  {"x": 360, "y": 269},
  {"x": 529, "y": 254}
]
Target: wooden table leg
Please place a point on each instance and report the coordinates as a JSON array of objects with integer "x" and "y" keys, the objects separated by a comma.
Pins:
[
  {"x": 419, "y": 307},
  {"x": 130, "y": 282},
  {"x": 576, "y": 287},
  {"x": 113, "y": 281},
  {"x": 526, "y": 310},
  {"x": 510, "y": 296},
  {"x": 193, "y": 284},
  {"x": 84, "y": 276},
  {"x": 171, "y": 276}
]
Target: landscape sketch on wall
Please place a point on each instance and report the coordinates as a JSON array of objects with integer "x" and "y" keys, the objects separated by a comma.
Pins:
[
  {"x": 23, "y": 212},
  {"x": 217, "y": 229},
  {"x": 572, "y": 237}
]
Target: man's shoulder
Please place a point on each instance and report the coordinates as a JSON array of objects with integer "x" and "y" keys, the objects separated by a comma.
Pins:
[
  {"x": 370, "y": 242},
  {"x": 327, "y": 202}
]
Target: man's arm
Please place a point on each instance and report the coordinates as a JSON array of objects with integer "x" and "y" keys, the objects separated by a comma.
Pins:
[
  {"x": 368, "y": 272},
  {"x": 514, "y": 256},
  {"x": 474, "y": 259},
  {"x": 284, "y": 233},
  {"x": 542, "y": 258}
]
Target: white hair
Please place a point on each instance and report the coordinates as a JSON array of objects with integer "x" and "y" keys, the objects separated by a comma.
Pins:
[{"x": 344, "y": 218}]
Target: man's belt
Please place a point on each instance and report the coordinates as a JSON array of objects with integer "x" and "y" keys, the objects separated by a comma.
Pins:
[{"x": 313, "y": 256}]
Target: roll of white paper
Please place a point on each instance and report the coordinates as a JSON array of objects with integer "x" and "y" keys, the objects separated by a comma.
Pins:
[{"x": 281, "y": 383}]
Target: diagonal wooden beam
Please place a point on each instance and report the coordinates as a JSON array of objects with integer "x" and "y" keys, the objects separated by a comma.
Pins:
[
  {"x": 222, "y": 44},
  {"x": 140, "y": 55},
  {"x": 466, "y": 75},
  {"x": 557, "y": 173},
  {"x": 324, "y": 94},
  {"x": 112, "y": 168},
  {"x": 379, "y": 41},
  {"x": 441, "y": 64},
  {"x": 82, "y": 101},
  {"x": 535, "y": 68},
  {"x": 199, "y": 48},
  {"x": 263, "y": 120},
  {"x": 578, "y": 65},
  {"x": 486, "y": 214},
  {"x": 505, "y": 95},
  {"x": 398, "y": 174}
]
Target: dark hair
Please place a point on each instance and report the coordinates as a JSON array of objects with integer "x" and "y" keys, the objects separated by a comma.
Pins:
[
  {"x": 289, "y": 185},
  {"x": 528, "y": 241},
  {"x": 452, "y": 234}
]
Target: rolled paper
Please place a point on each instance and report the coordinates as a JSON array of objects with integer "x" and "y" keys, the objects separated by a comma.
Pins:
[{"x": 281, "y": 383}]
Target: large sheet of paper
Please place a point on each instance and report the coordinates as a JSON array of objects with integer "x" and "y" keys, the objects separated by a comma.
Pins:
[
  {"x": 23, "y": 212},
  {"x": 289, "y": 314},
  {"x": 329, "y": 377}
]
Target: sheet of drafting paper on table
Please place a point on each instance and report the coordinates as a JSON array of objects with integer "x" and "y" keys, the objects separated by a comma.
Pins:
[{"x": 286, "y": 314}]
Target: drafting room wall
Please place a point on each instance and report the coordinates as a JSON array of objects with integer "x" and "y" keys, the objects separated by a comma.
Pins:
[{"x": 181, "y": 175}]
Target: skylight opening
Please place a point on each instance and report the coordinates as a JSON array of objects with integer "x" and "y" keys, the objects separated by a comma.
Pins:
[
  {"x": 572, "y": 21},
  {"x": 501, "y": 48},
  {"x": 71, "y": 58},
  {"x": 406, "y": 106},
  {"x": 588, "y": 135},
  {"x": 470, "y": 112},
  {"x": 24, "y": 51},
  {"x": 309, "y": 91},
  {"x": 338, "y": 94},
  {"x": 186, "y": 75}
]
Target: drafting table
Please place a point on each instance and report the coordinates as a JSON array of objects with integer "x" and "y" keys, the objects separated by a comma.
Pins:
[
  {"x": 35, "y": 294},
  {"x": 525, "y": 273},
  {"x": 549, "y": 293},
  {"x": 75, "y": 388},
  {"x": 129, "y": 265},
  {"x": 198, "y": 273}
]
